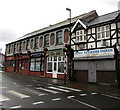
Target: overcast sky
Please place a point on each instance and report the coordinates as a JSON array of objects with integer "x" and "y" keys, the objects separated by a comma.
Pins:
[{"x": 19, "y": 17}]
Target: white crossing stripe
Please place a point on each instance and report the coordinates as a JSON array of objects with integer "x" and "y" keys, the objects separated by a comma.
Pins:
[
  {"x": 94, "y": 93},
  {"x": 47, "y": 90},
  {"x": 35, "y": 92},
  {"x": 70, "y": 97},
  {"x": 36, "y": 103},
  {"x": 18, "y": 94},
  {"x": 3, "y": 98},
  {"x": 3, "y": 87},
  {"x": 63, "y": 90},
  {"x": 83, "y": 94},
  {"x": 77, "y": 90},
  {"x": 56, "y": 99},
  {"x": 15, "y": 107}
]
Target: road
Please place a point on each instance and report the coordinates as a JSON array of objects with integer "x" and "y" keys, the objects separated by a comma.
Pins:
[{"x": 17, "y": 91}]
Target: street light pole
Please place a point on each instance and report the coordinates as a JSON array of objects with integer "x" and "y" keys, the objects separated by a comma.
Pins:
[
  {"x": 68, "y": 9},
  {"x": 70, "y": 58}
]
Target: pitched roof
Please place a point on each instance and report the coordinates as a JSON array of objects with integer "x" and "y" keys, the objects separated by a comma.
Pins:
[
  {"x": 104, "y": 18},
  {"x": 86, "y": 16}
]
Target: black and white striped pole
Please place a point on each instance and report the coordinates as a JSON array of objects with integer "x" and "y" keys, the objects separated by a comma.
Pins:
[{"x": 65, "y": 67}]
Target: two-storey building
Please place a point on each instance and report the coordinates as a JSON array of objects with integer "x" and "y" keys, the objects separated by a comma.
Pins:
[
  {"x": 96, "y": 49},
  {"x": 41, "y": 52}
]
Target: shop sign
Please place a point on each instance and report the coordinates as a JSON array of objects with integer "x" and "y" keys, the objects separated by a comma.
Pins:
[
  {"x": 36, "y": 54},
  {"x": 97, "y": 52},
  {"x": 55, "y": 53}
]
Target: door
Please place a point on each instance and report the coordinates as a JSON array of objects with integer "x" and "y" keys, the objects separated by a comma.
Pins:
[
  {"x": 92, "y": 71},
  {"x": 55, "y": 67}
]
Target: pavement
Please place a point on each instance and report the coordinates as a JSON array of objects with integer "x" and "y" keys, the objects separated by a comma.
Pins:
[{"x": 99, "y": 88}]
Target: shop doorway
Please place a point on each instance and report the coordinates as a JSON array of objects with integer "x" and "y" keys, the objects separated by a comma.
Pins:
[{"x": 92, "y": 72}]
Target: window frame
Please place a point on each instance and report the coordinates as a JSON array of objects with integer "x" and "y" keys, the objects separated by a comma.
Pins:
[{"x": 59, "y": 37}]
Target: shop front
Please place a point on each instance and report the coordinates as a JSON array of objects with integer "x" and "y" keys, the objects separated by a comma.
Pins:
[
  {"x": 37, "y": 64},
  {"x": 55, "y": 64},
  {"x": 95, "y": 66},
  {"x": 10, "y": 64}
]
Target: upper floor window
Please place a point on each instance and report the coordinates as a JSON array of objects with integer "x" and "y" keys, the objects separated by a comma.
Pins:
[
  {"x": 59, "y": 37},
  {"x": 28, "y": 45},
  {"x": 36, "y": 43},
  {"x": 14, "y": 50},
  {"x": 103, "y": 32},
  {"x": 46, "y": 40},
  {"x": 20, "y": 49},
  {"x": 80, "y": 35}
]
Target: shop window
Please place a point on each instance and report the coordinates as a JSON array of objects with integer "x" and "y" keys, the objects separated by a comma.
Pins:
[
  {"x": 57, "y": 62},
  {"x": 61, "y": 67},
  {"x": 49, "y": 67},
  {"x": 25, "y": 64},
  {"x": 59, "y": 37},
  {"x": 37, "y": 64},
  {"x": 10, "y": 63}
]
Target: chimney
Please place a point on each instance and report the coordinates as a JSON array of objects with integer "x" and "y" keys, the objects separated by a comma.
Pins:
[{"x": 119, "y": 5}]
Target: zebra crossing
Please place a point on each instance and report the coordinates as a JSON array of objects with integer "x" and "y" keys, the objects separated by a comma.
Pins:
[
  {"x": 40, "y": 91},
  {"x": 27, "y": 93}
]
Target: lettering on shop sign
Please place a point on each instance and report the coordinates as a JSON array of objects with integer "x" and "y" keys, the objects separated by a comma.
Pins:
[
  {"x": 36, "y": 54},
  {"x": 97, "y": 52}
]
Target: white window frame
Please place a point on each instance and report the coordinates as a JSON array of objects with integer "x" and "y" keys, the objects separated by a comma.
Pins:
[
  {"x": 51, "y": 60},
  {"x": 102, "y": 32},
  {"x": 80, "y": 36}
]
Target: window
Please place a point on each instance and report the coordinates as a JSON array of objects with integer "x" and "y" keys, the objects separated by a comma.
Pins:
[
  {"x": 36, "y": 43},
  {"x": 28, "y": 45},
  {"x": 10, "y": 63},
  {"x": 80, "y": 36},
  {"x": 37, "y": 64},
  {"x": 14, "y": 48},
  {"x": 103, "y": 32},
  {"x": 25, "y": 64},
  {"x": 20, "y": 49},
  {"x": 46, "y": 40},
  {"x": 57, "y": 62},
  {"x": 59, "y": 37}
]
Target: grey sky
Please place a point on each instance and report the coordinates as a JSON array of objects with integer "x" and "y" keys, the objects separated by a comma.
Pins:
[{"x": 19, "y": 17}]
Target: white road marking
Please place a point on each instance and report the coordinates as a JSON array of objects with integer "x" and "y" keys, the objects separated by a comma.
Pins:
[
  {"x": 3, "y": 98},
  {"x": 77, "y": 90},
  {"x": 3, "y": 87},
  {"x": 42, "y": 94},
  {"x": 63, "y": 90},
  {"x": 56, "y": 99},
  {"x": 15, "y": 107},
  {"x": 86, "y": 104},
  {"x": 94, "y": 93},
  {"x": 70, "y": 97},
  {"x": 18, "y": 94},
  {"x": 36, "y": 103},
  {"x": 47, "y": 90},
  {"x": 83, "y": 95},
  {"x": 35, "y": 92},
  {"x": 111, "y": 96}
]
